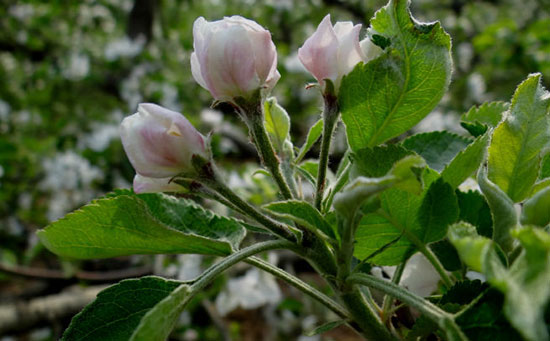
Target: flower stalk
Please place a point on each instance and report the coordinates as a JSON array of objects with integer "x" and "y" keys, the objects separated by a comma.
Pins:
[
  {"x": 330, "y": 117},
  {"x": 251, "y": 111}
]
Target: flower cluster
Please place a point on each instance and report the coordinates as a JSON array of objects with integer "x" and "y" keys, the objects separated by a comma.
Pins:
[{"x": 233, "y": 59}]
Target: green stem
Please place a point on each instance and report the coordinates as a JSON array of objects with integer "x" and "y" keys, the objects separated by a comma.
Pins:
[
  {"x": 330, "y": 117},
  {"x": 361, "y": 309},
  {"x": 432, "y": 258},
  {"x": 288, "y": 173},
  {"x": 342, "y": 180},
  {"x": 444, "y": 320},
  {"x": 345, "y": 253},
  {"x": 235, "y": 258},
  {"x": 253, "y": 212},
  {"x": 367, "y": 320},
  {"x": 388, "y": 300},
  {"x": 425, "y": 250},
  {"x": 254, "y": 118},
  {"x": 300, "y": 285}
]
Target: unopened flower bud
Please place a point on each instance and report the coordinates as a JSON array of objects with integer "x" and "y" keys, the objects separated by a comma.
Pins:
[
  {"x": 333, "y": 51},
  {"x": 233, "y": 57},
  {"x": 160, "y": 142}
]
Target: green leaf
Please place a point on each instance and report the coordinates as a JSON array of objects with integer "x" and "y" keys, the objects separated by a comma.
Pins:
[
  {"x": 398, "y": 215},
  {"x": 466, "y": 162},
  {"x": 158, "y": 322},
  {"x": 447, "y": 255},
  {"x": 479, "y": 118},
  {"x": 536, "y": 210},
  {"x": 377, "y": 161},
  {"x": 390, "y": 94},
  {"x": 439, "y": 209},
  {"x": 515, "y": 151},
  {"x": 312, "y": 136},
  {"x": 474, "y": 250},
  {"x": 127, "y": 224},
  {"x": 404, "y": 175},
  {"x": 524, "y": 284},
  {"x": 475, "y": 210},
  {"x": 119, "y": 309},
  {"x": 325, "y": 328},
  {"x": 503, "y": 211},
  {"x": 277, "y": 123},
  {"x": 485, "y": 320},
  {"x": 463, "y": 292},
  {"x": 545, "y": 167},
  {"x": 309, "y": 169},
  {"x": 302, "y": 213},
  {"x": 438, "y": 148}
]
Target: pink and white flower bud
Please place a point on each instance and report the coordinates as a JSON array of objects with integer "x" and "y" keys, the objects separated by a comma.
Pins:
[
  {"x": 143, "y": 184},
  {"x": 233, "y": 57},
  {"x": 333, "y": 51},
  {"x": 160, "y": 142}
]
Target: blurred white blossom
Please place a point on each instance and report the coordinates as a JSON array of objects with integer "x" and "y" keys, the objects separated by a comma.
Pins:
[
  {"x": 419, "y": 275},
  {"x": 253, "y": 290},
  {"x": 124, "y": 47},
  {"x": 69, "y": 177},
  {"x": 77, "y": 66}
]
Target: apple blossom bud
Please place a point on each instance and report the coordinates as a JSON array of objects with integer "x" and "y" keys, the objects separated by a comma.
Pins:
[
  {"x": 160, "y": 142},
  {"x": 233, "y": 57},
  {"x": 143, "y": 184},
  {"x": 333, "y": 51}
]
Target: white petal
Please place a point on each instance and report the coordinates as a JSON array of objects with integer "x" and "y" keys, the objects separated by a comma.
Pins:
[
  {"x": 151, "y": 146},
  {"x": 196, "y": 70},
  {"x": 342, "y": 28},
  {"x": 319, "y": 54},
  {"x": 369, "y": 50},
  {"x": 349, "y": 52},
  {"x": 144, "y": 184}
]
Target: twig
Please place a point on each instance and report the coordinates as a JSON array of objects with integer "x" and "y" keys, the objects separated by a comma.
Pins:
[
  {"x": 22, "y": 315},
  {"x": 105, "y": 276}
]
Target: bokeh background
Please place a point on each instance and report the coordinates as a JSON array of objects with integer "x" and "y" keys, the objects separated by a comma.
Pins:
[{"x": 71, "y": 70}]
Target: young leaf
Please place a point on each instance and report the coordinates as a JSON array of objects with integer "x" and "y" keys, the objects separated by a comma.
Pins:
[
  {"x": 302, "y": 213},
  {"x": 277, "y": 123},
  {"x": 158, "y": 322},
  {"x": 473, "y": 248},
  {"x": 479, "y": 118},
  {"x": 128, "y": 224},
  {"x": 516, "y": 148},
  {"x": 503, "y": 211},
  {"x": 312, "y": 136},
  {"x": 404, "y": 175},
  {"x": 390, "y": 94},
  {"x": 438, "y": 148},
  {"x": 466, "y": 162},
  {"x": 524, "y": 284},
  {"x": 536, "y": 210},
  {"x": 119, "y": 309}
]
